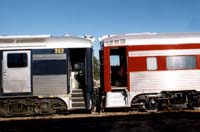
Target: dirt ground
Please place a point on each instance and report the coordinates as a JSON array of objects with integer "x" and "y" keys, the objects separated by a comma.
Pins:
[{"x": 117, "y": 122}]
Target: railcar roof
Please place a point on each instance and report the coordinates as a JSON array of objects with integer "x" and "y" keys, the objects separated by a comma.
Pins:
[
  {"x": 150, "y": 38},
  {"x": 44, "y": 41}
]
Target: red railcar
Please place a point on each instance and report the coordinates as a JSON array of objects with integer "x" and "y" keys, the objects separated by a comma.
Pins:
[{"x": 150, "y": 71}]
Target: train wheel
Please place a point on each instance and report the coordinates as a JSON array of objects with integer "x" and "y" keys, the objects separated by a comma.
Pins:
[
  {"x": 3, "y": 111},
  {"x": 196, "y": 102},
  {"x": 46, "y": 108},
  {"x": 139, "y": 105},
  {"x": 151, "y": 105}
]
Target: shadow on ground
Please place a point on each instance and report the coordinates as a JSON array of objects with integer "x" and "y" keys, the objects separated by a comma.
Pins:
[{"x": 155, "y": 122}]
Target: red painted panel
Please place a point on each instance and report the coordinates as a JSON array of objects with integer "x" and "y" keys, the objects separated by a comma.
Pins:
[
  {"x": 137, "y": 64},
  {"x": 161, "y": 63},
  {"x": 198, "y": 61},
  {"x": 106, "y": 61}
]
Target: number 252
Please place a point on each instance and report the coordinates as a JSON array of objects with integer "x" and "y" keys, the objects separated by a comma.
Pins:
[{"x": 59, "y": 51}]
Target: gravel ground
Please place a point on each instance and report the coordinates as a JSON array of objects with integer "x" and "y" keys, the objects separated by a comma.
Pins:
[{"x": 107, "y": 122}]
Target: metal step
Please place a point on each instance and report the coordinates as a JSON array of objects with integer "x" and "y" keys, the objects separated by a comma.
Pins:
[
  {"x": 77, "y": 93},
  {"x": 78, "y": 104},
  {"x": 77, "y": 98},
  {"x": 77, "y": 90},
  {"x": 78, "y": 108}
]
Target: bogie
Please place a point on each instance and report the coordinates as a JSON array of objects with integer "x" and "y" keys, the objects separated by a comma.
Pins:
[
  {"x": 31, "y": 106},
  {"x": 170, "y": 100}
]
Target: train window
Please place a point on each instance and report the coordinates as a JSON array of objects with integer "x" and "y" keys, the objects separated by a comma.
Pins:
[
  {"x": 114, "y": 60},
  {"x": 152, "y": 63},
  {"x": 181, "y": 62},
  {"x": 116, "y": 41},
  {"x": 15, "y": 60},
  {"x": 122, "y": 41}
]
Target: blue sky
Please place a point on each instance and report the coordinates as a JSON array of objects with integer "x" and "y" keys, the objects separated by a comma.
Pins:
[{"x": 98, "y": 17}]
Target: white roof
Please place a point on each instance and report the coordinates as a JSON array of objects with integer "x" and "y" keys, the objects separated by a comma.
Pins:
[
  {"x": 43, "y": 42},
  {"x": 24, "y": 36},
  {"x": 150, "y": 39}
]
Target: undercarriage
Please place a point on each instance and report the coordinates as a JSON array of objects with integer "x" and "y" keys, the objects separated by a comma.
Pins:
[
  {"x": 31, "y": 106},
  {"x": 166, "y": 100}
]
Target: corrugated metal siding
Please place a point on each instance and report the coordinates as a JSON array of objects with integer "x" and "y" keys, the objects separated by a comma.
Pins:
[
  {"x": 156, "y": 81},
  {"x": 49, "y": 84}
]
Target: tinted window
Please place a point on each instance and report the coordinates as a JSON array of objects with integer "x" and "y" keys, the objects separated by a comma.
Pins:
[
  {"x": 15, "y": 60},
  {"x": 49, "y": 67},
  {"x": 181, "y": 62}
]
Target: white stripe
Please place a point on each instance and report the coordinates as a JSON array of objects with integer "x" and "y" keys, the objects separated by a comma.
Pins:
[
  {"x": 163, "y": 41},
  {"x": 163, "y": 52}
]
